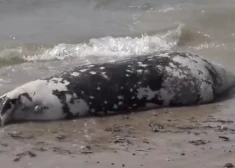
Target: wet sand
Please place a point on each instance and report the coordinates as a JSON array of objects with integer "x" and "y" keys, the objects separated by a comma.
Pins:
[{"x": 199, "y": 136}]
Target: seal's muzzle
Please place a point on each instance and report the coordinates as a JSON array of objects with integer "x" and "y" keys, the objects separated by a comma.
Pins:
[{"x": 7, "y": 111}]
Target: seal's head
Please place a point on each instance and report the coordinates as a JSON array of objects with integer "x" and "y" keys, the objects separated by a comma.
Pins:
[
  {"x": 17, "y": 106},
  {"x": 32, "y": 101},
  {"x": 7, "y": 109}
]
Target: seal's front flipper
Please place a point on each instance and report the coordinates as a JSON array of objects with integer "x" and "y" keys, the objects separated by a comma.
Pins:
[{"x": 38, "y": 109}]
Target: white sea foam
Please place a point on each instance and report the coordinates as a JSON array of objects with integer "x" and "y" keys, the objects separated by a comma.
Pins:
[{"x": 105, "y": 46}]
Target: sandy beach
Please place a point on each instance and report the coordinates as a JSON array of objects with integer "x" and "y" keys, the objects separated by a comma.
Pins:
[{"x": 41, "y": 37}]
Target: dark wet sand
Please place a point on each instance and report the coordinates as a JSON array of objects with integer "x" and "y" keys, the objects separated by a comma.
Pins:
[{"x": 201, "y": 136}]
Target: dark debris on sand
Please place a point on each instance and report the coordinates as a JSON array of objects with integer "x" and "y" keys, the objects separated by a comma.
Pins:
[
  {"x": 19, "y": 135},
  {"x": 22, "y": 154},
  {"x": 199, "y": 142}
]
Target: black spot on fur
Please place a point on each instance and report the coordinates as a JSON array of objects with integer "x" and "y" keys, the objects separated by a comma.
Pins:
[
  {"x": 56, "y": 81},
  {"x": 62, "y": 97},
  {"x": 13, "y": 101},
  {"x": 27, "y": 96},
  {"x": 66, "y": 110},
  {"x": 7, "y": 104},
  {"x": 71, "y": 101},
  {"x": 155, "y": 82}
]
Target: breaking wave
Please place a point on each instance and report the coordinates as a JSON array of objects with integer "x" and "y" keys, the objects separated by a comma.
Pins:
[
  {"x": 106, "y": 46},
  {"x": 109, "y": 46}
]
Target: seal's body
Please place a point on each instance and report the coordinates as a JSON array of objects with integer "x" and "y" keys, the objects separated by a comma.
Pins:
[{"x": 165, "y": 79}]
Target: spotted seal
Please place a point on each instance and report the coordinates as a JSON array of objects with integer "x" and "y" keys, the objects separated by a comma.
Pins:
[{"x": 149, "y": 81}]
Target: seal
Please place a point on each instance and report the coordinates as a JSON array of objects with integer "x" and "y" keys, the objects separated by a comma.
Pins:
[{"x": 143, "y": 82}]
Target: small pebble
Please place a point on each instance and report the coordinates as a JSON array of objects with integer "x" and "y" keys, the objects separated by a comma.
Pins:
[
  {"x": 224, "y": 128},
  {"x": 155, "y": 129},
  {"x": 16, "y": 159},
  {"x": 85, "y": 147},
  {"x": 31, "y": 154},
  {"x": 61, "y": 137},
  {"x": 154, "y": 114},
  {"x": 224, "y": 138}
]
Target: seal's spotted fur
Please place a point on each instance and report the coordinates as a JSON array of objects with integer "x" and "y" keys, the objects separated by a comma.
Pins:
[{"x": 166, "y": 79}]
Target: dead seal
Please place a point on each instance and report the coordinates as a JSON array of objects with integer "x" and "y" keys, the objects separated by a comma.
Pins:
[{"x": 143, "y": 82}]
